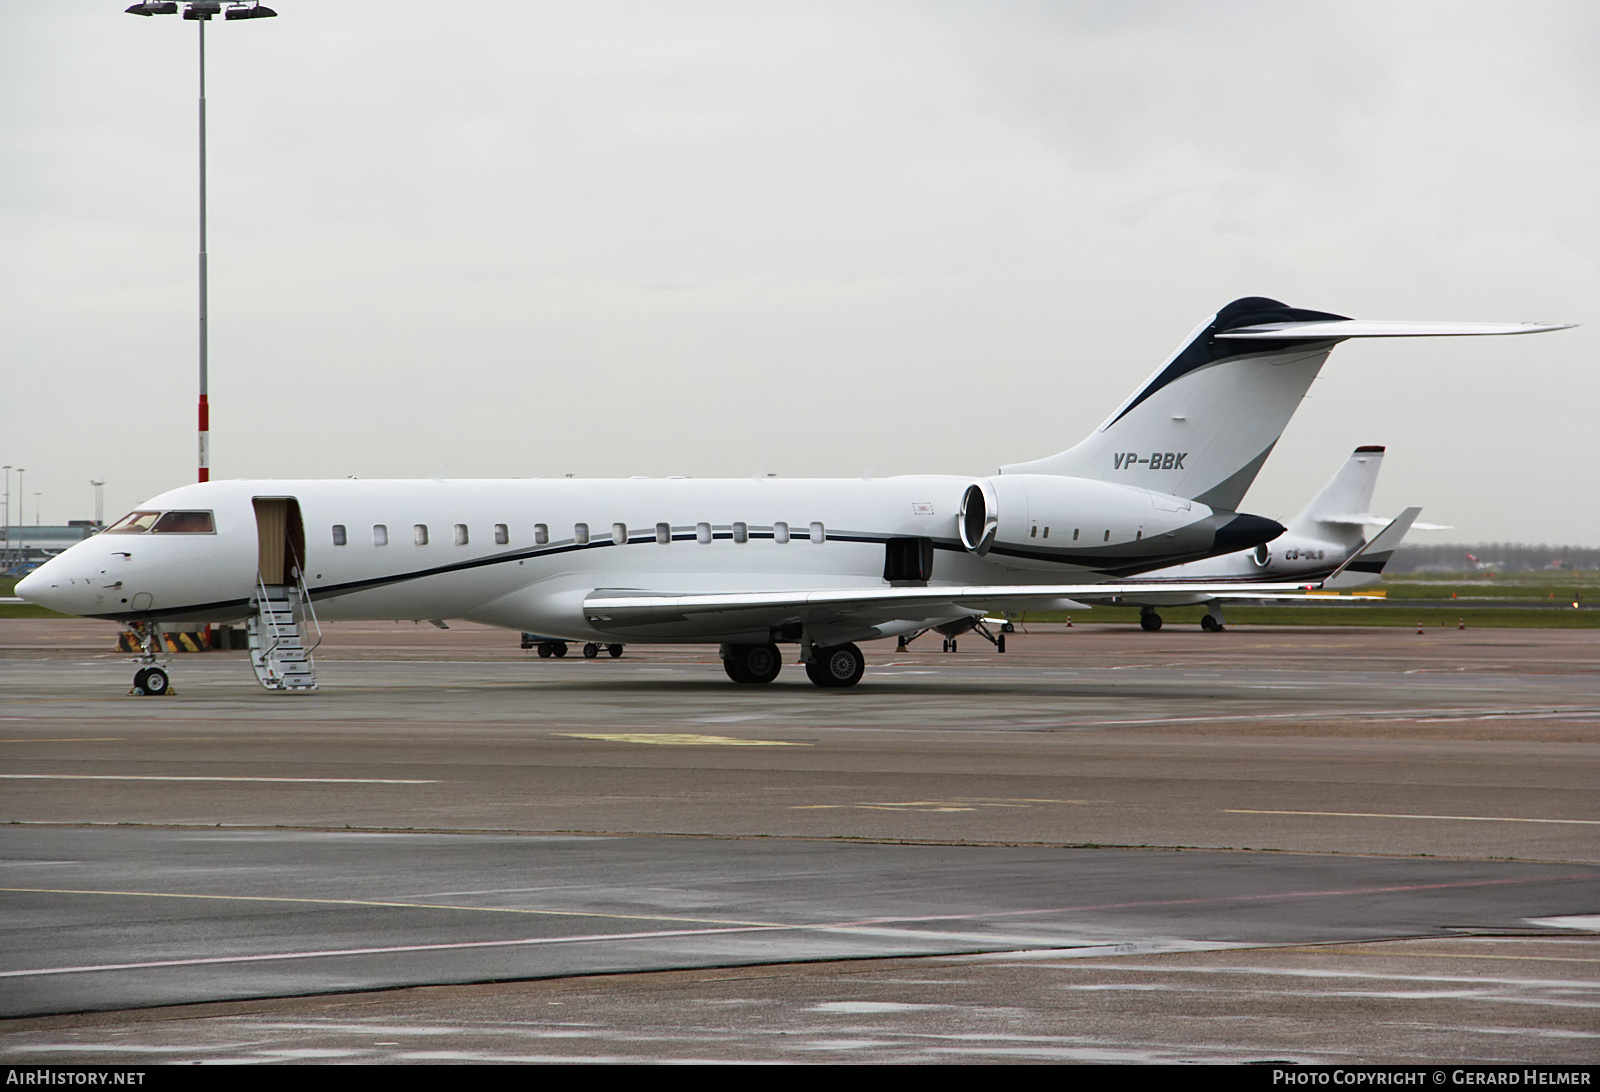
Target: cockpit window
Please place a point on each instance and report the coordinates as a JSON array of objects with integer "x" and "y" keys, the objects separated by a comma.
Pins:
[
  {"x": 185, "y": 523},
  {"x": 134, "y": 523}
]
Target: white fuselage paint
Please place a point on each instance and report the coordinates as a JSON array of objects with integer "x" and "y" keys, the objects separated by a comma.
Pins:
[{"x": 540, "y": 587}]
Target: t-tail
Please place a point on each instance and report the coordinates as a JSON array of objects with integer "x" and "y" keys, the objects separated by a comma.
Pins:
[
  {"x": 1205, "y": 422},
  {"x": 1341, "y": 512}
]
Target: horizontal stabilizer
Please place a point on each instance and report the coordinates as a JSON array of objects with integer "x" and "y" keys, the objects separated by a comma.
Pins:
[{"x": 1339, "y": 329}]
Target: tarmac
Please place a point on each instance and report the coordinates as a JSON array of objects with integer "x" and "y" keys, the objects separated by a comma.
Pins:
[{"x": 1273, "y": 843}]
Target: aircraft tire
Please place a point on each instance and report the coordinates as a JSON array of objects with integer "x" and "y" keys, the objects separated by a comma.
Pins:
[
  {"x": 836, "y": 667},
  {"x": 547, "y": 649},
  {"x": 1210, "y": 624},
  {"x": 615, "y": 650},
  {"x": 1150, "y": 622},
  {"x": 139, "y": 677},
  {"x": 1000, "y": 643},
  {"x": 754, "y": 663},
  {"x": 155, "y": 681},
  {"x": 591, "y": 650}
]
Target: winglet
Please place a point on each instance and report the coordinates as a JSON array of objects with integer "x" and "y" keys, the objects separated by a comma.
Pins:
[{"x": 1371, "y": 558}]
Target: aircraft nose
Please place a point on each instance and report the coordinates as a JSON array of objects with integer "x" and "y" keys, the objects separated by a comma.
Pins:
[{"x": 32, "y": 586}]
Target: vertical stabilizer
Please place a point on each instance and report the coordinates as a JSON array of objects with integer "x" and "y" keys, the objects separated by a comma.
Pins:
[
  {"x": 1340, "y": 512},
  {"x": 1203, "y": 424}
]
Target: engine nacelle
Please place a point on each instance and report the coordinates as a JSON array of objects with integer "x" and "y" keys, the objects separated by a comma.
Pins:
[{"x": 1043, "y": 521}]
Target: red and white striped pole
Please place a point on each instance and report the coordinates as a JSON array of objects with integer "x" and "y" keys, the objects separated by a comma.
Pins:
[{"x": 205, "y": 407}]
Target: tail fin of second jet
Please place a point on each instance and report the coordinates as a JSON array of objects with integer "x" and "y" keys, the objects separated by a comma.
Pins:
[{"x": 1341, "y": 512}]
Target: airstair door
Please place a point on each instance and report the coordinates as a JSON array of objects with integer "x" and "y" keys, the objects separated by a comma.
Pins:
[{"x": 277, "y": 631}]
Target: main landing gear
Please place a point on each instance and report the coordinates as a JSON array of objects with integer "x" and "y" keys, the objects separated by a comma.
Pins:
[
  {"x": 1149, "y": 620},
  {"x": 836, "y": 667},
  {"x": 752, "y": 663}
]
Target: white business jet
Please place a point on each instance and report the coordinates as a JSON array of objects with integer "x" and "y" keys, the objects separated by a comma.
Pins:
[
  {"x": 1321, "y": 541},
  {"x": 744, "y": 563}
]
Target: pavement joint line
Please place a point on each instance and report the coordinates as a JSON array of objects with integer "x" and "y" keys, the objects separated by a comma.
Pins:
[
  {"x": 1386, "y": 815},
  {"x": 877, "y": 926},
  {"x": 394, "y": 905}
]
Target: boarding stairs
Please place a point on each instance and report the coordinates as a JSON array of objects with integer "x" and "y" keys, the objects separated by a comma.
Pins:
[{"x": 278, "y": 637}]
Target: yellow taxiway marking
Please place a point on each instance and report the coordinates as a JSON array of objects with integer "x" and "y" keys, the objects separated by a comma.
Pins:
[
  {"x": 152, "y": 777},
  {"x": 66, "y": 739},
  {"x": 1386, "y": 815},
  {"x": 680, "y": 739},
  {"x": 391, "y": 904}
]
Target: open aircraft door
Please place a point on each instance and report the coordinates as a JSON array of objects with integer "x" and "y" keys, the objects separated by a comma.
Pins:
[{"x": 280, "y": 540}]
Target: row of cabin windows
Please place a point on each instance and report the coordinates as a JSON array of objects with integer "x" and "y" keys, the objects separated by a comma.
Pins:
[
  {"x": 580, "y": 533},
  {"x": 1033, "y": 532}
]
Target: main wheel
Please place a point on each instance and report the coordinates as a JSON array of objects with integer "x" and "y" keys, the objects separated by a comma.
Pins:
[
  {"x": 591, "y": 650},
  {"x": 1150, "y": 622},
  {"x": 1210, "y": 624},
  {"x": 839, "y": 666},
  {"x": 753, "y": 663},
  {"x": 1000, "y": 643},
  {"x": 615, "y": 650},
  {"x": 547, "y": 649},
  {"x": 155, "y": 681},
  {"x": 558, "y": 648}
]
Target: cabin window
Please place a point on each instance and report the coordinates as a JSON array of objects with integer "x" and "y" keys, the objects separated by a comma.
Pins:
[
  {"x": 580, "y": 533},
  {"x": 702, "y": 533},
  {"x": 741, "y": 532},
  {"x": 502, "y": 534},
  {"x": 134, "y": 523},
  {"x": 541, "y": 534},
  {"x": 1033, "y": 532},
  {"x": 1075, "y": 534},
  {"x": 780, "y": 532},
  {"x": 619, "y": 534},
  {"x": 663, "y": 533},
  {"x": 461, "y": 534},
  {"x": 380, "y": 534},
  {"x": 338, "y": 534},
  {"x": 1047, "y": 532},
  {"x": 1108, "y": 536},
  {"x": 1138, "y": 536},
  {"x": 185, "y": 523},
  {"x": 419, "y": 534},
  {"x": 817, "y": 533}
]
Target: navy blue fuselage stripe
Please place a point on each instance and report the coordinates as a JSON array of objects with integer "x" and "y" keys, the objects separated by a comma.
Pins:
[{"x": 1117, "y": 565}]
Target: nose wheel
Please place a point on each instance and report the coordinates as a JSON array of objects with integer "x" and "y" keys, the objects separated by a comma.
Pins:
[{"x": 152, "y": 681}]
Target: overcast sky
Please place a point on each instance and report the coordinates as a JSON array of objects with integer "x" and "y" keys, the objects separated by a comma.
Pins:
[{"x": 533, "y": 239}]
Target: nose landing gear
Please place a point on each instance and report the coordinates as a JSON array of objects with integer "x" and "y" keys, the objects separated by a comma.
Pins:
[{"x": 153, "y": 679}]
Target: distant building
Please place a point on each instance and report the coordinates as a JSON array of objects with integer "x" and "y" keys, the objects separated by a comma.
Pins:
[{"x": 25, "y": 548}]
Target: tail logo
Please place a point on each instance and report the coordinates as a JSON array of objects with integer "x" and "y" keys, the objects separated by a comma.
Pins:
[{"x": 1156, "y": 460}]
